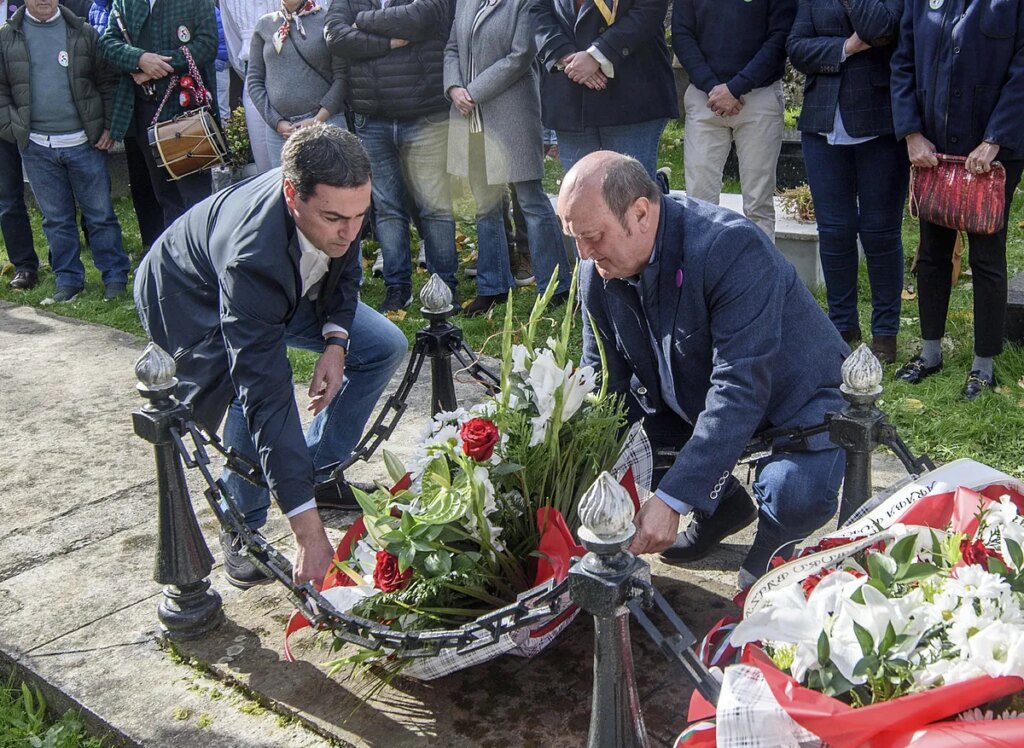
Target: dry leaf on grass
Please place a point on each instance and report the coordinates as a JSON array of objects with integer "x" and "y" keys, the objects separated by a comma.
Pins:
[
  {"x": 396, "y": 315},
  {"x": 913, "y": 405}
]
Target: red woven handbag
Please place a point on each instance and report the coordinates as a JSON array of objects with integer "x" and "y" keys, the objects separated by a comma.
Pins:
[{"x": 949, "y": 195}]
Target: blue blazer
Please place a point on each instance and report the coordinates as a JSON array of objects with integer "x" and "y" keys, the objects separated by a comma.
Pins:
[
  {"x": 960, "y": 81},
  {"x": 216, "y": 291},
  {"x": 859, "y": 84},
  {"x": 746, "y": 345},
  {"x": 643, "y": 88}
]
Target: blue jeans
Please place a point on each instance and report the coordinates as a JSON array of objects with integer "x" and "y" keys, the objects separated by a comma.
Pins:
[
  {"x": 860, "y": 190},
  {"x": 275, "y": 142},
  {"x": 797, "y": 491},
  {"x": 60, "y": 177},
  {"x": 493, "y": 274},
  {"x": 376, "y": 350},
  {"x": 639, "y": 141},
  {"x": 409, "y": 162},
  {"x": 14, "y": 225}
]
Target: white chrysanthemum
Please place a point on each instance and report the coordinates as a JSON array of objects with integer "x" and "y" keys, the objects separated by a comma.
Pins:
[{"x": 973, "y": 581}]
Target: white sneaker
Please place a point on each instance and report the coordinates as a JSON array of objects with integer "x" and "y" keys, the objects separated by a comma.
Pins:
[
  {"x": 421, "y": 258},
  {"x": 378, "y": 265}
]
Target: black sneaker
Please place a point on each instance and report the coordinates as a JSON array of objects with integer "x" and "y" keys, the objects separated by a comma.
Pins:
[
  {"x": 113, "y": 291},
  {"x": 337, "y": 494},
  {"x": 240, "y": 570},
  {"x": 62, "y": 296},
  {"x": 396, "y": 298},
  {"x": 481, "y": 305},
  {"x": 705, "y": 531}
]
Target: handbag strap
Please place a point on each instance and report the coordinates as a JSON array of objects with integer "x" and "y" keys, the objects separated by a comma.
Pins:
[
  {"x": 914, "y": 208},
  {"x": 202, "y": 92}
]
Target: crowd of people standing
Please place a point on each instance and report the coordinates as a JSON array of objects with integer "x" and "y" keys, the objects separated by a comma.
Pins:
[{"x": 480, "y": 89}]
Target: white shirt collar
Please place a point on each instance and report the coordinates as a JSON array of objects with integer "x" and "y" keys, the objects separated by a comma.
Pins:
[
  {"x": 313, "y": 263},
  {"x": 50, "y": 20}
]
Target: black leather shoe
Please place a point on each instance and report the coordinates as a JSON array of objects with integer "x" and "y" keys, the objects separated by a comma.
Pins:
[
  {"x": 978, "y": 383},
  {"x": 336, "y": 494},
  {"x": 24, "y": 280},
  {"x": 915, "y": 370},
  {"x": 705, "y": 531},
  {"x": 770, "y": 540},
  {"x": 395, "y": 298},
  {"x": 481, "y": 305},
  {"x": 241, "y": 571}
]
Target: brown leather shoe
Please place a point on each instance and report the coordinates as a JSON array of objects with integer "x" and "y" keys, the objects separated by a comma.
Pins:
[
  {"x": 24, "y": 280},
  {"x": 884, "y": 348},
  {"x": 852, "y": 337}
]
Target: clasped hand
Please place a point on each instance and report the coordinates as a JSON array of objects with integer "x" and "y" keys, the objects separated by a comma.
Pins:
[
  {"x": 582, "y": 68},
  {"x": 723, "y": 103}
]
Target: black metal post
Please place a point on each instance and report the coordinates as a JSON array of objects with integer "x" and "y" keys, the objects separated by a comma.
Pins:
[
  {"x": 601, "y": 584},
  {"x": 859, "y": 427},
  {"x": 189, "y": 608},
  {"x": 439, "y": 338}
]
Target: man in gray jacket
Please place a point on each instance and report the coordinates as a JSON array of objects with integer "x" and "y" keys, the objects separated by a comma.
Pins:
[{"x": 57, "y": 109}]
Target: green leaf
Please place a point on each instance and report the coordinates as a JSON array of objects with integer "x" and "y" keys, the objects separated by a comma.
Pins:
[
  {"x": 867, "y": 644},
  {"x": 997, "y": 567},
  {"x": 916, "y": 571},
  {"x": 506, "y": 468},
  {"x": 1016, "y": 554},
  {"x": 438, "y": 563},
  {"x": 366, "y": 503},
  {"x": 888, "y": 639},
  {"x": 878, "y": 572},
  {"x": 405, "y": 558},
  {"x": 396, "y": 470},
  {"x": 903, "y": 551},
  {"x": 408, "y": 523},
  {"x": 824, "y": 652}
]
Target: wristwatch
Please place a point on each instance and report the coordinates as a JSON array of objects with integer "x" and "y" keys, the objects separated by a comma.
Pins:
[{"x": 337, "y": 340}]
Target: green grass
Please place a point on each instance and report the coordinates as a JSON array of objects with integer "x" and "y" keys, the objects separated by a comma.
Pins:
[
  {"x": 931, "y": 417},
  {"x": 26, "y": 723}
]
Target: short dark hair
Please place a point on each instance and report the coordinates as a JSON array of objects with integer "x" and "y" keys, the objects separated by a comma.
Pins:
[
  {"x": 626, "y": 181},
  {"x": 324, "y": 154}
]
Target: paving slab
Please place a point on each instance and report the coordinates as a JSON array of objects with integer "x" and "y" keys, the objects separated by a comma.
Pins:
[{"x": 78, "y": 604}]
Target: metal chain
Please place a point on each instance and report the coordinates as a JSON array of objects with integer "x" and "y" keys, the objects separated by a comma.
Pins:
[{"x": 530, "y": 607}]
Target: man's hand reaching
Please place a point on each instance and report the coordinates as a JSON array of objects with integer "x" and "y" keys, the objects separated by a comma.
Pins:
[
  {"x": 314, "y": 553},
  {"x": 656, "y": 527},
  {"x": 328, "y": 376}
]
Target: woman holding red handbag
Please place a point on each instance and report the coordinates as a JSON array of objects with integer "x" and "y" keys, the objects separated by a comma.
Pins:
[{"x": 958, "y": 90}]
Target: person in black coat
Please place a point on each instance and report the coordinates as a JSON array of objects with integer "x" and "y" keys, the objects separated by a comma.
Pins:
[
  {"x": 958, "y": 89},
  {"x": 856, "y": 168},
  {"x": 607, "y": 82}
]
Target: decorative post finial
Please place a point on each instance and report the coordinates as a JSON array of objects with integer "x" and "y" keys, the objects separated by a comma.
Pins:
[
  {"x": 155, "y": 368},
  {"x": 606, "y": 513},
  {"x": 436, "y": 296},
  {"x": 862, "y": 373}
]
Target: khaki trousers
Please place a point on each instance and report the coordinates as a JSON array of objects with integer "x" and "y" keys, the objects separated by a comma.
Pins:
[{"x": 757, "y": 132}]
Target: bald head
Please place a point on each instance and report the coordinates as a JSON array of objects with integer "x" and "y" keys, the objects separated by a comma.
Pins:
[{"x": 610, "y": 205}]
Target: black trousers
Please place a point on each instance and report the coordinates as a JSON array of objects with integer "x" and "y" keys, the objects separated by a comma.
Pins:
[
  {"x": 148, "y": 211},
  {"x": 174, "y": 195},
  {"x": 14, "y": 223},
  {"x": 987, "y": 258}
]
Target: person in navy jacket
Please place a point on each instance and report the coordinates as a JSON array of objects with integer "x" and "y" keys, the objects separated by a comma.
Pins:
[
  {"x": 607, "y": 80},
  {"x": 856, "y": 168},
  {"x": 704, "y": 325},
  {"x": 735, "y": 54},
  {"x": 958, "y": 89}
]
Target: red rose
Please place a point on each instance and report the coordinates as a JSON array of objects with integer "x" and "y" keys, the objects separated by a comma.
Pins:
[
  {"x": 977, "y": 553},
  {"x": 386, "y": 576},
  {"x": 478, "y": 438}
]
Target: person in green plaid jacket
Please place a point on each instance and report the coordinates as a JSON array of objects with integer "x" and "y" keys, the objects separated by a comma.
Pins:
[{"x": 143, "y": 40}]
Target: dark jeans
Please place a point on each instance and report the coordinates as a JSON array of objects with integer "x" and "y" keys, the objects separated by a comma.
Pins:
[
  {"x": 174, "y": 195},
  {"x": 62, "y": 178},
  {"x": 14, "y": 223},
  {"x": 859, "y": 190},
  {"x": 987, "y": 256},
  {"x": 147, "y": 208}
]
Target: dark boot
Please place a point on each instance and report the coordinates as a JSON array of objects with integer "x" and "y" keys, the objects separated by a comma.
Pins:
[
  {"x": 769, "y": 541},
  {"x": 884, "y": 348},
  {"x": 735, "y": 511}
]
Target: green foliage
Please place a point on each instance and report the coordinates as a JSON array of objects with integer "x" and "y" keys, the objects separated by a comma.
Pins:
[
  {"x": 26, "y": 723},
  {"x": 237, "y": 135}
]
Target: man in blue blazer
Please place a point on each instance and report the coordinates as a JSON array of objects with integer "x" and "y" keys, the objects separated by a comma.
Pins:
[
  {"x": 706, "y": 326},
  {"x": 270, "y": 263}
]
